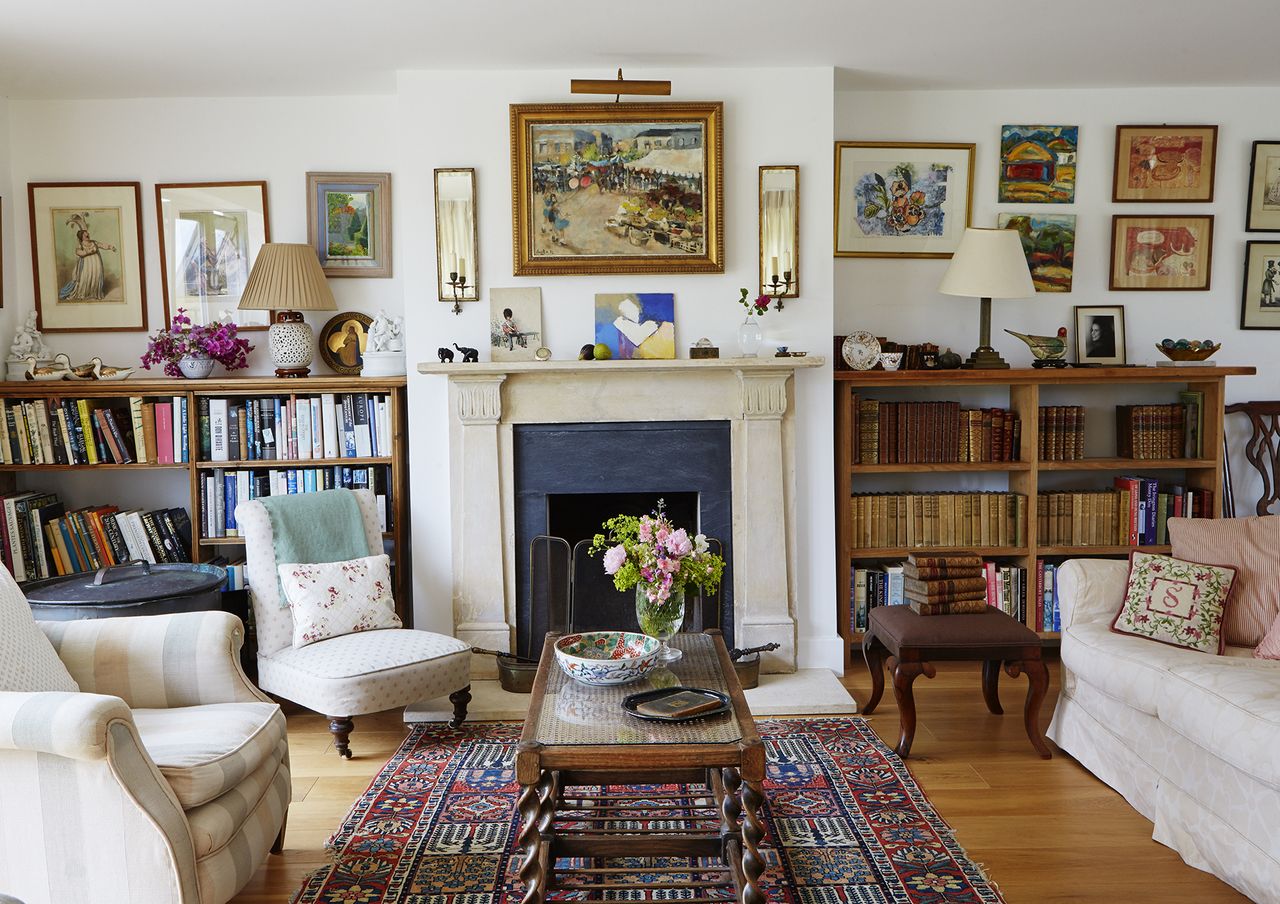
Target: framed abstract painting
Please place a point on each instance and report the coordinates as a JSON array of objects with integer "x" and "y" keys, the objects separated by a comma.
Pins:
[
  {"x": 1164, "y": 163},
  {"x": 1049, "y": 242},
  {"x": 617, "y": 188},
  {"x": 1264, "y": 188},
  {"x": 1038, "y": 164},
  {"x": 1161, "y": 253},
  {"x": 901, "y": 199},
  {"x": 86, "y": 256},
  {"x": 637, "y": 325},
  {"x": 349, "y": 222},
  {"x": 1260, "y": 303}
]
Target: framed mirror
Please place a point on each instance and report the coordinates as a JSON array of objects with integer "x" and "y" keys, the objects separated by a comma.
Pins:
[
  {"x": 457, "y": 246},
  {"x": 780, "y": 231}
]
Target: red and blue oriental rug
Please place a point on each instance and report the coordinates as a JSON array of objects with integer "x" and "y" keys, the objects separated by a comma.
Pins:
[{"x": 845, "y": 823}]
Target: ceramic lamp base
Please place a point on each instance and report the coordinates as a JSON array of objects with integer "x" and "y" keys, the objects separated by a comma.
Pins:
[{"x": 292, "y": 343}]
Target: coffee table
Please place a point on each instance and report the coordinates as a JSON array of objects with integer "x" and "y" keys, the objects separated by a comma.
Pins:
[{"x": 577, "y": 741}]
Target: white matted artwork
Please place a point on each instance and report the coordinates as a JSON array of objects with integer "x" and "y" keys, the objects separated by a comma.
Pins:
[{"x": 515, "y": 323}]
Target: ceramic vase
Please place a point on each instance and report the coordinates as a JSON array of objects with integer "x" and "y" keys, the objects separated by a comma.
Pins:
[{"x": 196, "y": 367}]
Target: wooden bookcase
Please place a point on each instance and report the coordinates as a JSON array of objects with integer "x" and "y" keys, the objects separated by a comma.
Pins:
[
  {"x": 1023, "y": 386},
  {"x": 205, "y": 547}
]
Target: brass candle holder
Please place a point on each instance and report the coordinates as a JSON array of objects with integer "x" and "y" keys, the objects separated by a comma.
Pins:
[
  {"x": 777, "y": 289},
  {"x": 459, "y": 285}
]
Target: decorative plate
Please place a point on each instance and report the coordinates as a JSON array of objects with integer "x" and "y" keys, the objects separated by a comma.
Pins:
[
  {"x": 631, "y": 703},
  {"x": 861, "y": 350},
  {"x": 607, "y": 657},
  {"x": 342, "y": 342}
]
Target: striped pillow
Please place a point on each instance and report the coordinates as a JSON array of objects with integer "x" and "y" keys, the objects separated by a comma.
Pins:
[
  {"x": 1252, "y": 547},
  {"x": 1270, "y": 646}
]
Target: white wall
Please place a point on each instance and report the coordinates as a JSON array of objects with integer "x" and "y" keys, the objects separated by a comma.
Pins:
[{"x": 8, "y": 223}]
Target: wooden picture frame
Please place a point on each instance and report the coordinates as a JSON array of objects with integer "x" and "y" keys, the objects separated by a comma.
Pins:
[
  {"x": 230, "y": 221},
  {"x": 1260, "y": 288},
  {"x": 349, "y": 223},
  {"x": 1263, "y": 208},
  {"x": 886, "y": 207},
  {"x": 103, "y": 289},
  {"x": 348, "y": 362},
  {"x": 1164, "y": 164},
  {"x": 1100, "y": 334},
  {"x": 617, "y": 188},
  {"x": 1161, "y": 254}
]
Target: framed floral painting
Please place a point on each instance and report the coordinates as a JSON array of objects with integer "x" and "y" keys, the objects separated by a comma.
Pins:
[
  {"x": 1164, "y": 163},
  {"x": 896, "y": 199},
  {"x": 349, "y": 222},
  {"x": 1166, "y": 254},
  {"x": 86, "y": 251}
]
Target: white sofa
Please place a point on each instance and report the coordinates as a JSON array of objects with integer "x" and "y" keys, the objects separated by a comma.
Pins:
[{"x": 1192, "y": 741}]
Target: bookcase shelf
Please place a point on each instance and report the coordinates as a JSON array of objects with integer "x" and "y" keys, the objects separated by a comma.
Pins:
[
  {"x": 239, "y": 541},
  {"x": 101, "y": 466},
  {"x": 1023, "y": 386},
  {"x": 277, "y": 463}
]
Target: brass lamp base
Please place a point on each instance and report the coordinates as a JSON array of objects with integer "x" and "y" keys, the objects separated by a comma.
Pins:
[{"x": 984, "y": 357}]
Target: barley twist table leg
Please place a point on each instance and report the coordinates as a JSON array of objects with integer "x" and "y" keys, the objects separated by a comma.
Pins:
[
  {"x": 730, "y": 807},
  {"x": 529, "y": 842},
  {"x": 752, "y": 835}
]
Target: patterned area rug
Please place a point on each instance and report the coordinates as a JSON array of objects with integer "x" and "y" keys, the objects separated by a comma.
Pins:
[{"x": 845, "y": 823}]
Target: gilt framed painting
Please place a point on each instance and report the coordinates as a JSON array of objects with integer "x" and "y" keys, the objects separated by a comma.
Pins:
[
  {"x": 1264, "y": 188},
  {"x": 1164, "y": 163},
  {"x": 901, "y": 199},
  {"x": 1166, "y": 254},
  {"x": 617, "y": 188},
  {"x": 349, "y": 222},
  {"x": 86, "y": 256}
]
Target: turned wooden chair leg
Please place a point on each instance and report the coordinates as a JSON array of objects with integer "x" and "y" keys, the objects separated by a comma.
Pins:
[
  {"x": 873, "y": 653},
  {"x": 1037, "y": 687},
  {"x": 341, "y": 727},
  {"x": 277, "y": 847},
  {"x": 904, "y": 674},
  {"x": 460, "y": 699},
  {"x": 991, "y": 685}
]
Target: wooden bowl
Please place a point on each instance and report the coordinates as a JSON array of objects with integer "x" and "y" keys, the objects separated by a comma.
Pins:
[{"x": 1187, "y": 354}]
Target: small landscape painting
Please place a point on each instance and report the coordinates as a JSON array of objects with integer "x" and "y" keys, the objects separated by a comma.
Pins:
[
  {"x": 1049, "y": 241},
  {"x": 1161, "y": 253},
  {"x": 347, "y": 225},
  {"x": 637, "y": 325},
  {"x": 1038, "y": 164},
  {"x": 349, "y": 222},
  {"x": 515, "y": 323},
  {"x": 1165, "y": 163}
]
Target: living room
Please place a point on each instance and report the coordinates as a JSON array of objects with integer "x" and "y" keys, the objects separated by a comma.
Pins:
[{"x": 391, "y": 99}]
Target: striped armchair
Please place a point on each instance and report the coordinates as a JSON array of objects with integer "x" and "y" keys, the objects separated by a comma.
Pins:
[{"x": 165, "y": 778}]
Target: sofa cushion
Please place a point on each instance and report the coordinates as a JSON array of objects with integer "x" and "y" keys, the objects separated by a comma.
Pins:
[
  {"x": 329, "y": 599},
  {"x": 1130, "y": 669},
  {"x": 1175, "y": 602},
  {"x": 1250, "y": 546},
  {"x": 205, "y": 751},
  {"x": 28, "y": 662},
  {"x": 215, "y": 823},
  {"x": 1269, "y": 648}
]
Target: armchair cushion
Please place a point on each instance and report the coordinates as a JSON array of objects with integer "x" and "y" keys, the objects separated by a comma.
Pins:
[
  {"x": 329, "y": 599},
  {"x": 215, "y": 823},
  {"x": 27, "y": 660}
]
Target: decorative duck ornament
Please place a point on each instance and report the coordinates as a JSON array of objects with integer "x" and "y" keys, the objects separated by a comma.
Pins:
[
  {"x": 1049, "y": 351},
  {"x": 58, "y": 370},
  {"x": 107, "y": 372}
]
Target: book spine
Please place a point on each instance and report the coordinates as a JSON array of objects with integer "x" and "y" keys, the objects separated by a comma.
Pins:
[{"x": 205, "y": 413}]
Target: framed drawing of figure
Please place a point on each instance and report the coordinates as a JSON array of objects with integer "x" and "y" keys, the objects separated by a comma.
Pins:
[{"x": 1260, "y": 303}]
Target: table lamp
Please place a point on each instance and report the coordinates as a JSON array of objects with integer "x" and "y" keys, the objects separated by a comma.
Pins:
[
  {"x": 988, "y": 264},
  {"x": 287, "y": 279}
]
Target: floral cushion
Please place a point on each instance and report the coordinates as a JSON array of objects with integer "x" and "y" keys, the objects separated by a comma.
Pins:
[
  {"x": 1175, "y": 602},
  {"x": 329, "y": 599}
]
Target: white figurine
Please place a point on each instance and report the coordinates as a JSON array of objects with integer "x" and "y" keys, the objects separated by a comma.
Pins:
[
  {"x": 386, "y": 334},
  {"x": 28, "y": 342}
]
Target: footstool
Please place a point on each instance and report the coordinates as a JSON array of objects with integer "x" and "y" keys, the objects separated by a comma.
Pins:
[{"x": 908, "y": 644}]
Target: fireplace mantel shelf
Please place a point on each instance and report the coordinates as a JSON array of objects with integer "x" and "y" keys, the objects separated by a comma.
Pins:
[{"x": 491, "y": 368}]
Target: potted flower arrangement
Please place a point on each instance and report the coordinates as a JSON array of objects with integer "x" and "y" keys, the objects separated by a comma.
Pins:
[
  {"x": 749, "y": 334},
  {"x": 189, "y": 350},
  {"x": 659, "y": 560}
]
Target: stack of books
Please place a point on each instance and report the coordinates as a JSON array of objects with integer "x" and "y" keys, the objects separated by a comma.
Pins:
[
  {"x": 1061, "y": 432},
  {"x": 945, "y": 584}
]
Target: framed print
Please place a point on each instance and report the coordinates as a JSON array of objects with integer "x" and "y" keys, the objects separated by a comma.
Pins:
[
  {"x": 1264, "y": 188},
  {"x": 1038, "y": 164},
  {"x": 1100, "y": 334},
  {"x": 349, "y": 222},
  {"x": 617, "y": 188},
  {"x": 515, "y": 323},
  {"x": 86, "y": 256},
  {"x": 210, "y": 233},
  {"x": 902, "y": 199},
  {"x": 1164, "y": 163},
  {"x": 343, "y": 340},
  {"x": 1260, "y": 303},
  {"x": 1161, "y": 253},
  {"x": 1049, "y": 242}
]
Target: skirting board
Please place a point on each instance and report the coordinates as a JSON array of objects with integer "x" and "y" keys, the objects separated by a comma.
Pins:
[{"x": 807, "y": 692}]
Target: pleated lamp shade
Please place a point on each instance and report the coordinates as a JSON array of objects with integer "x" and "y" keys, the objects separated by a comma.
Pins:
[{"x": 287, "y": 277}]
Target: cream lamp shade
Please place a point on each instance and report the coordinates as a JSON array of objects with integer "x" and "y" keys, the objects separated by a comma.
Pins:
[
  {"x": 287, "y": 278},
  {"x": 988, "y": 264}
]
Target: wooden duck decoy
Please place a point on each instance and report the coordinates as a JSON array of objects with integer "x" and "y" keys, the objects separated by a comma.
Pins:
[
  {"x": 58, "y": 370},
  {"x": 1049, "y": 351}
]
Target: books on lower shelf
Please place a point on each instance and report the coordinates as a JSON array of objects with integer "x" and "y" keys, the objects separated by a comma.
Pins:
[
  {"x": 933, "y": 432},
  {"x": 887, "y": 520},
  {"x": 222, "y": 489},
  {"x": 1061, "y": 434},
  {"x": 1135, "y": 512},
  {"x": 88, "y": 431},
  {"x": 295, "y": 427}
]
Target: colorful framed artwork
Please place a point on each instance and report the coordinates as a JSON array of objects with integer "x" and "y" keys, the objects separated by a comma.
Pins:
[
  {"x": 1264, "y": 188},
  {"x": 1100, "y": 336},
  {"x": 1038, "y": 164},
  {"x": 86, "y": 256},
  {"x": 902, "y": 199},
  {"x": 617, "y": 188},
  {"x": 1260, "y": 302},
  {"x": 637, "y": 325},
  {"x": 349, "y": 222},
  {"x": 1164, "y": 163},
  {"x": 1049, "y": 242},
  {"x": 210, "y": 233},
  {"x": 515, "y": 324},
  {"x": 343, "y": 340},
  {"x": 1167, "y": 254}
]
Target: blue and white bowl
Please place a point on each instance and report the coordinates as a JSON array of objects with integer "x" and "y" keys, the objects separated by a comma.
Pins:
[{"x": 605, "y": 658}]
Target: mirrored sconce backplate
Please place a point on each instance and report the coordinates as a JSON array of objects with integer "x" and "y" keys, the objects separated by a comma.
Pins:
[
  {"x": 457, "y": 246},
  {"x": 780, "y": 231}
]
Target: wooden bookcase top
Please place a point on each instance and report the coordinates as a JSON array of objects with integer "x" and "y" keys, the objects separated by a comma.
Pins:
[{"x": 1042, "y": 376}]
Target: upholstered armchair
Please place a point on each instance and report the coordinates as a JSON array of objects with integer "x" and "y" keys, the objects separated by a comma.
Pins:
[{"x": 354, "y": 674}]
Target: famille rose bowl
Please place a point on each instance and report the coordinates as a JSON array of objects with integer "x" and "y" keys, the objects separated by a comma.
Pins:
[{"x": 607, "y": 657}]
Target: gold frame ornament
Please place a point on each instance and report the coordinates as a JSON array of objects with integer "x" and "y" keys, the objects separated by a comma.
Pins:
[{"x": 589, "y": 118}]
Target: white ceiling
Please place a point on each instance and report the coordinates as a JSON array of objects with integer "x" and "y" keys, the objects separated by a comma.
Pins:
[{"x": 144, "y": 48}]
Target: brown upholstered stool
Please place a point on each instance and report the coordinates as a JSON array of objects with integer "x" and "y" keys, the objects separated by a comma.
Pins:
[{"x": 907, "y": 643}]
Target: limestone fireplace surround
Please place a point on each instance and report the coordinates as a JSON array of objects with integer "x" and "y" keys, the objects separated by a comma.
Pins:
[{"x": 755, "y": 395}]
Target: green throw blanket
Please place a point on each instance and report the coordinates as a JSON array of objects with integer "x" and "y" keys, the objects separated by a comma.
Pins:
[{"x": 316, "y": 527}]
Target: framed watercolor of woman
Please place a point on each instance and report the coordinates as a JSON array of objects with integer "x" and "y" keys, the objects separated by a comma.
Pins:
[{"x": 86, "y": 249}]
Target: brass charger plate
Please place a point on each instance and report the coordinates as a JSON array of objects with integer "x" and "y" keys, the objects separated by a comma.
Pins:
[{"x": 342, "y": 342}]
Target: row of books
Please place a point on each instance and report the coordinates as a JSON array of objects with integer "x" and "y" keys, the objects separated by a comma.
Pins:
[
  {"x": 1156, "y": 431},
  {"x": 1061, "y": 434},
  {"x": 932, "y": 432},
  {"x": 95, "y": 431},
  {"x": 1005, "y": 587},
  {"x": 884, "y": 520},
  {"x": 1135, "y": 512},
  {"x": 295, "y": 428},
  {"x": 222, "y": 489}
]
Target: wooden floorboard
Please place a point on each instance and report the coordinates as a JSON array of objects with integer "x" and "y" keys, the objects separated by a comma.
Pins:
[{"x": 1047, "y": 832}]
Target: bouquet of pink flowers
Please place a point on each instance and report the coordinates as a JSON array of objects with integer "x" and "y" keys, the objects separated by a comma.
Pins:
[
  {"x": 651, "y": 551},
  {"x": 181, "y": 338}
]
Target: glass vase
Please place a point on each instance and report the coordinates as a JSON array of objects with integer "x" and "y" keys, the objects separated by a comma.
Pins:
[
  {"x": 749, "y": 337},
  {"x": 661, "y": 619}
]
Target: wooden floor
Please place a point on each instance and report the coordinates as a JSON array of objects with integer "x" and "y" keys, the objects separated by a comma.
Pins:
[{"x": 1047, "y": 832}]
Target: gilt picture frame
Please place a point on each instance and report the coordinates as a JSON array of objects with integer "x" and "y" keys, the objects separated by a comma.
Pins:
[
  {"x": 1163, "y": 164},
  {"x": 349, "y": 223}
]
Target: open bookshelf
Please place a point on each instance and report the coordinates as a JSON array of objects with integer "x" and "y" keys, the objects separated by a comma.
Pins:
[{"x": 1021, "y": 391}]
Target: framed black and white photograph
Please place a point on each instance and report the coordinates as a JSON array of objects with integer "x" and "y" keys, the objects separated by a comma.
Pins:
[
  {"x": 1100, "y": 334},
  {"x": 1264, "y": 188},
  {"x": 1260, "y": 302}
]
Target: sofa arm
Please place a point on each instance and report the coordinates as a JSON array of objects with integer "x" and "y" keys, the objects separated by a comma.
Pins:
[
  {"x": 70, "y": 725},
  {"x": 157, "y": 661},
  {"x": 1091, "y": 590}
]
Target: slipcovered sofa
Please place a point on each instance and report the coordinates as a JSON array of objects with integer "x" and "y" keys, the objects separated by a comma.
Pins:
[{"x": 1192, "y": 741}]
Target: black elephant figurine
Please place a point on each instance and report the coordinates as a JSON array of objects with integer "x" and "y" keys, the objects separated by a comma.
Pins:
[
  {"x": 446, "y": 356},
  {"x": 469, "y": 355}
]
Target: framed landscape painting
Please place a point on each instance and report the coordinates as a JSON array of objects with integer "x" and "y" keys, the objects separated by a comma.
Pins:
[
  {"x": 349, "y": 222},
  {"x": 1260, "y": 304},
  {"x": 1264, "y": 188},
  {"x": 1049, "y": 242},
  {"x": 1038, "y": 164},
  {"x": 898, "y": 199},
  {"x": 86, "y": 255},
  {"x": 1164, "y": 163},
  {"x": 617, "y": 188},
  {"x": 1161, "y": 253}
]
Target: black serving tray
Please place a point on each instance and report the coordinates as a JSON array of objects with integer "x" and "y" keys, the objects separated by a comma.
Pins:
[{"x": 630, "y": 703}]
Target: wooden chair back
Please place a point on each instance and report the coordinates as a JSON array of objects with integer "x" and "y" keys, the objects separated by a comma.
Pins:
[{"x": 1262, "y": 450}]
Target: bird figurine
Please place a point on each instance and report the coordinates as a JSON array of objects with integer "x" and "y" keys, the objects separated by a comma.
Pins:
[
  {"x": 1049, "y": 351},
  {"x": 107, "y": 372},
  {"x": 58, "y": 370},
  {"x": 87, "y": 371}
]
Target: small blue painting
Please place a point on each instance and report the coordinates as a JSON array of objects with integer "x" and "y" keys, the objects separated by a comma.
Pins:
[{"x": 637, "y": 325}]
